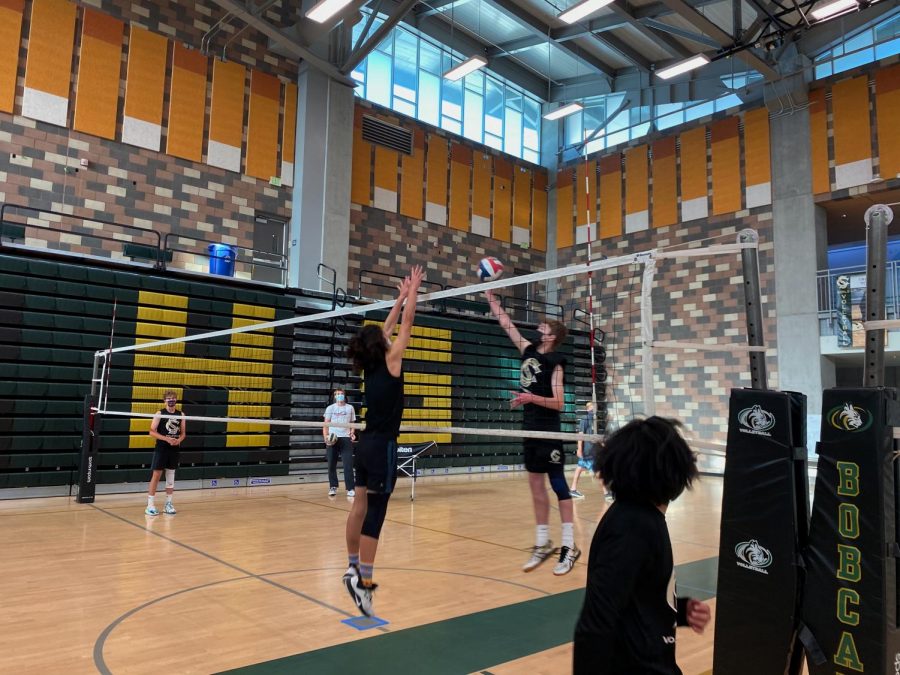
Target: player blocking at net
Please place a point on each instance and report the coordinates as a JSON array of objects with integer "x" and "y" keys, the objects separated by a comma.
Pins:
[
  {"x": 541, "y": 380},
  {"x": 381, "y": 362}
]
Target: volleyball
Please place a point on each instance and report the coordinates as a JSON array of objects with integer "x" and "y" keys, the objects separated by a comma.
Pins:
[
  {"x": 490, "y": 269},
  {"x": 331, "y": 440}
]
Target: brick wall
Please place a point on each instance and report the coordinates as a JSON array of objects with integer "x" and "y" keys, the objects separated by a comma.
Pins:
[
  {"x": 389, "y": 243},
  {"x": 39, "y": 163}
]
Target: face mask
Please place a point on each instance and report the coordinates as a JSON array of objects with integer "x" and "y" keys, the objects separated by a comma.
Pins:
[{"x": 339, "y": 397}]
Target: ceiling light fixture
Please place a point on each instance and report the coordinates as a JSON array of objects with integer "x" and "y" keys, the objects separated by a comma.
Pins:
[
  {"x": 829, "y": 9},
  {"x": 470, "y": 65},
  {"x": 683, "y": 66},
  {"x": 563, "y": 111},
  {"x": 582, "y": 9},
  {"x": 325, "y": 9}
]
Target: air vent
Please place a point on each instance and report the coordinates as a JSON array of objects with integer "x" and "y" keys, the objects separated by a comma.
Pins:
[{"x": 388, "y": 135}]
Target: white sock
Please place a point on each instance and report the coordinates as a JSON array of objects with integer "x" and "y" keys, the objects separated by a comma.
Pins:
[
  {"x": 568, "y": 535},
  {"x": 542, "y": 535},
  {"x": 149, "y": 500}
]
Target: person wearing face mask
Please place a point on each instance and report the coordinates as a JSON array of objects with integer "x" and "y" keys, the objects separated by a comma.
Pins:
[
  {"x": 169, "y": 432},
  {"x": 339, "y": 441},
  {"x": 541, "y": 397}
]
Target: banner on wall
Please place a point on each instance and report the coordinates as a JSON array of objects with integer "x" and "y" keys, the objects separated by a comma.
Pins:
[{"x": 851, "y": 309}]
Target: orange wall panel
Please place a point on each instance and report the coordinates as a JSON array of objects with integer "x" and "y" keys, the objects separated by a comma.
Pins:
[
  {"x": 289, "y": 134},
  {"x": 436, "y": 163},
  {"x": 361, "y": 173},
  {"x": 503, "y": 178},
  {"x": 147, "y": 54},
  {"x": 226, "y": 115},
  {"x": 460, "y": 186},
  {"x": 482, "y": 170},
  {"x": 11, "y": 12},
  {"x": 693, "y": 164},
  {"x": 637, "y": 180},
  {"x": 187, "y": 103},
  {"x": 522, "y": 198},
  {"x": 850, "y": 111},
  {"x": 757, "y": 142},
  {"x": 565, "y": 202},
  {"x": 412, "y": 180},
  {"x": 665, "y": 185},
  {"x": 539, "y": 211},
  {"x": 726, "y": 166},
  {"x": 818, "y": 129},
  {"x": 48, "y": 66},
  {"x": 887, "y": 103},
  {"x": 262, "y": 125},
  {"x": 97, "y": 90},
  {"x": 610, "y": 196}
]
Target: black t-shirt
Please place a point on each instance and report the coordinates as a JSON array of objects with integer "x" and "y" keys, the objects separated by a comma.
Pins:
[
  {"x": 384, "y": 401},
  {"x": 536, "y": 377},
  {"x": 170, "y": 427},
  {"x": 627, "y": 623}
]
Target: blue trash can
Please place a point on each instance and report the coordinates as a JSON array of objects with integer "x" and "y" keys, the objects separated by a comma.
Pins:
[{"x": 221, "y": 259}]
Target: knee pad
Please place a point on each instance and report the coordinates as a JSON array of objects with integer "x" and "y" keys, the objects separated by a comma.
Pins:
[
  {"x": 559, "y": 485},
  {"x": 170, "y": 479},
  {"x": 375, "y": 512}
]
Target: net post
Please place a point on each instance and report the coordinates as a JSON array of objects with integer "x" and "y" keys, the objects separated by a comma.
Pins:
[
  {"x": 877, "y": 219},
  {"x": 753, "y": 309},
  {"x": 87, "y": 466}
]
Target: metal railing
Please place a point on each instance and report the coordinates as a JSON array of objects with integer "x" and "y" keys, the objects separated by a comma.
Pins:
[
  {"x": 244, "y": 259},
  {"x": 828, "y": 300}
]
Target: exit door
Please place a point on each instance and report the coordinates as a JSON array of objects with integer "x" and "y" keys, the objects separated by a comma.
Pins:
[{"x": 269, "y": 260}]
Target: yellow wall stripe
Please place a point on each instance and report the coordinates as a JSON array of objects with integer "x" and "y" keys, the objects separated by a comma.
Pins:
[
  {"x": 610, "y": 197},
  {"x": 501, "y": 225},
  {"x": 460, "y": 183},
  {"x": 412, "y": 184},
  {"x": 436, "y": 171},
  {"x": 818, "y": 129},
  {"x": 757, "y": 157},
  {"x": 693, "y": 164},
  {"x": 637, "y": 177},
  {"x": 665, "y": 183},
  {"x": 539, "y": 211}
]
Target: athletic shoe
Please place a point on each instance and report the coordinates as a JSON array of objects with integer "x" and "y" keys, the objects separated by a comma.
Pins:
[
  {"x": 567, "y": 558},
  {"x": 332, "y": 491},
  {"x": 352, "y": 571},
  {"x": 170, "y": 509},
  {"x": 362, "y": 595},
  {"x": 351, "y": 493},
  {"x": 575, "y": 494},
  {"x": 151, "y": 511},
  {"x": 538, "y": 555}
]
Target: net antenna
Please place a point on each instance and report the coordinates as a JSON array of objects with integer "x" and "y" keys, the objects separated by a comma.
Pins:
[
  {"x": 589, "y": 245},
  {"x": 103, "y": 380}
]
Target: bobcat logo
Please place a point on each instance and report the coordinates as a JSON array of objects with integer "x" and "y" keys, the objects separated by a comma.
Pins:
[
  {"x": 531, "y": 368},
  {"x": 752, "y": 556},
  {"x": 173, "y": 427},
  {"x": 849, "y": 417},
  {"x": 555, "y": 456},
  {"x": 756, "y": 421}
]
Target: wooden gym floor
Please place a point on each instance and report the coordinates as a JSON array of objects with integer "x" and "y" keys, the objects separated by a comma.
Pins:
[{"x": 250, "y": 578}]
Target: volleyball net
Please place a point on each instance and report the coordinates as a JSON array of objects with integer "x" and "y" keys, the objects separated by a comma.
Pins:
[{"x": 671, "y": 340}]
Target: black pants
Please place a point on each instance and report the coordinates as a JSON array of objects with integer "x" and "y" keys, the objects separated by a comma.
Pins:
[{"x": 344, "y": 448}]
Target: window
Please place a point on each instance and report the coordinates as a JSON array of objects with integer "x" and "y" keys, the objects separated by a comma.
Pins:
[
  {"x": 405, "y": 73},
  {"x": 871, "y": 44}
]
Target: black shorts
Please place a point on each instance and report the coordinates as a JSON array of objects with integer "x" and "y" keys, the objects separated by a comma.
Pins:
[
  {"x": 166, "y": 457},
  {"x": 375, "y": 463},
  {"x": 543, "y": 456}
]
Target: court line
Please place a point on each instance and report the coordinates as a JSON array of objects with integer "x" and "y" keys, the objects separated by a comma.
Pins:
[
  {"x": 209, "y": 556},
  {"x": 100, "y": 643}
]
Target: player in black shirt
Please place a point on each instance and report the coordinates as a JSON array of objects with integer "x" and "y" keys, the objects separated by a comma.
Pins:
[
  {"x": 627, "y": 623},
  {"x": 541, "y": 380},
  {"x": 169, "y": 434},
  {"x": 375, "y": 462}
]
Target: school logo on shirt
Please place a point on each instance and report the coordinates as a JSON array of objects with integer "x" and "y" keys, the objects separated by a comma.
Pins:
[
  {"x": 756, "y": 421},
  {"x": 531, "y": 368},
  {"x": 752, "y": 556},
  {"x": 849, "y": 417},
  {"x": 173, "y": 427}
]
